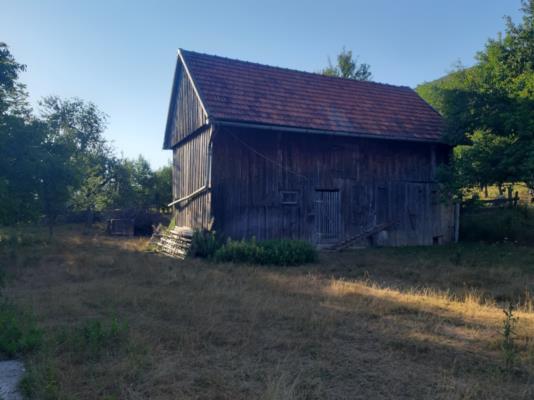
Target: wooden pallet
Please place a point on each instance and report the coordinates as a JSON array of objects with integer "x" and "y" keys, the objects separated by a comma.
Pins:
[
  {"x": 172, "y": 242},
  {"x": 370, "y": 232}
]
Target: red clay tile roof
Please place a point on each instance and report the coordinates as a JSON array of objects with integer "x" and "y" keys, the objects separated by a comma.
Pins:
[{"x": 240, "y": 91}]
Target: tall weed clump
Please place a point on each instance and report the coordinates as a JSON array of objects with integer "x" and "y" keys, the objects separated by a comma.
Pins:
[
  {"x": 508, "y": 345},
  {"x": 19, "y": 333},
  {"x": 94, "y": 339},
  {"x": 204, "y": 244}
]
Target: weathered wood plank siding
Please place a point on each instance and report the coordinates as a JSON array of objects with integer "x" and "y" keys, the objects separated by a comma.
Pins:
[
  {"x": 190, "y": 160},
  {"x": 189, "y": 138},
  {"x": 188, "y": 115},
  {"x": 376, "y": 181}
]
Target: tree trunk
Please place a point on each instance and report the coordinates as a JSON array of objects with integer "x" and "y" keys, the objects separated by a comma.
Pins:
[
  {"x": 89, "y": 218},
  {"x": 50, "y": 228},
  {"x": 50, "y": 219},
  {"x": 510, "y": 189}
]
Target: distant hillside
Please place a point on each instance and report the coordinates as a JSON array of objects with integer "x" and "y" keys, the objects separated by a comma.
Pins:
[{"x": 432, "y": 91}]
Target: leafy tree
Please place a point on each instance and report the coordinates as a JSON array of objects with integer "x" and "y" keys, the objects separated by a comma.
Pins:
[
  {"x": 9, "y": 69},
  {"x": 134, "y": 183},
  {"x": 55, "y": 175},
  {"x": 489, "y": 109},
  {"x": 61, "y": 160},
  {"x": 18, "y": 167},
  {"x": 80, "y": 122},
  {"x": 35, "y": 172},
  {"x": 81, "y": 125},
  {"x": 142, "y": 182},
  {"x": 13, "y": 96},
  {"x": 18, "y": 200},
  {"x": 138, "y": 186},
  {"x": 162, "y": 194},
  {"x": 348, "y": 67}
]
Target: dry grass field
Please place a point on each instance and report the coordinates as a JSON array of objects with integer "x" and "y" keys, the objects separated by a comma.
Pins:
[{"x": 409, "y": 323}]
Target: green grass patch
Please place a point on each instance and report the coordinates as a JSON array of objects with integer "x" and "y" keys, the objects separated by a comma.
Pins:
[
  {"x": 19, "y": 333},
  {"x": 88, "y": 346},
  {"x": 493, "y": 225},
  {"x": 94, "y": 339},
  {"x": 41, "y": 381}
]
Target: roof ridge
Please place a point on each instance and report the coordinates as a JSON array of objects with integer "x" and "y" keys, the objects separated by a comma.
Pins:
[{"x": 315, "y": 74}]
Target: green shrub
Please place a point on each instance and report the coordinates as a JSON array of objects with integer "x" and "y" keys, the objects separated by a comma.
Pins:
[
  {"x": 272, "y": 252},
  {"x": 241, "y": 251},
  {"x": 497, "y": 225},
  {"x": 94, "y": 339},
  {"x": 18, "y": 331},
  {"x": 288, "y": 252},
  {"x": 2, "y": 278},
  {"x": 41, "y": 381},
  {"x": 204, "y": 244},
  {"x": 17, "y": 240}
]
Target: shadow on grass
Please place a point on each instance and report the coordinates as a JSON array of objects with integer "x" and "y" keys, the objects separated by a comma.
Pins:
[{"x": 224, "y": 331}]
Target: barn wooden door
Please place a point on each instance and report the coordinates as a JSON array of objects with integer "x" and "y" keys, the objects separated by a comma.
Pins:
[{"x": 327, "y": 215}]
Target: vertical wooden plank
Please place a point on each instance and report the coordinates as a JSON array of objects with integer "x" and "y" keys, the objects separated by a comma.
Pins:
[{"x": 377, "y": 183}]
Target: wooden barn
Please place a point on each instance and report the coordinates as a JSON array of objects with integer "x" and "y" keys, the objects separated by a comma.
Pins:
[{"x": 276, "y": 153}]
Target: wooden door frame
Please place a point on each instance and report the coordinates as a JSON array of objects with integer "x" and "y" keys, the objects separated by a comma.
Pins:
[{"x": 318, "y": 213}]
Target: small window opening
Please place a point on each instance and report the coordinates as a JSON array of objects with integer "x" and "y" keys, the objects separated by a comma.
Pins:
[{"x": 288, "y": 197}]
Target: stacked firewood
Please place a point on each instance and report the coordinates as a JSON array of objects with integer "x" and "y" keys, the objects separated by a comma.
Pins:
[{"x": 173, "y": 242}]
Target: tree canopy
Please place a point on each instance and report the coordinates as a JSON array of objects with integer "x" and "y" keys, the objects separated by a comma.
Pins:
[
  {"x": 59, "y": 160},
  {"x": 348, "y": 67},
  {"x": 489, "y": 109}
]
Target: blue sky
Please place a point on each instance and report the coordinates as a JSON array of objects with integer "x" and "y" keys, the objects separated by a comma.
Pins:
[{"x": 121, "y": 54}]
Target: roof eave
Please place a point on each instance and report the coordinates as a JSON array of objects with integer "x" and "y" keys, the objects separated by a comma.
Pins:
[
  {"x": 166, "y": 145},
  {"x": 180, "y": 61},
  {"x": 256, "y": 125},
  {"x": 193, "y": 83}
]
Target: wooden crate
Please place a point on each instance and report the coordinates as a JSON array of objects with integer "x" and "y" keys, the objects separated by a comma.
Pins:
[{"x": 121, "y": 227}]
